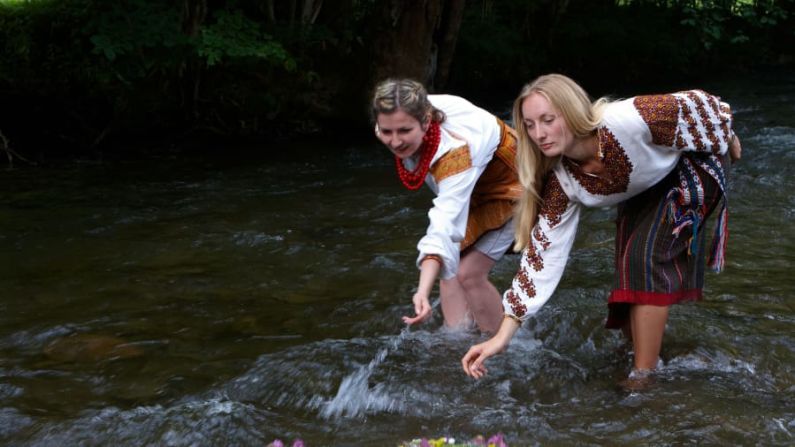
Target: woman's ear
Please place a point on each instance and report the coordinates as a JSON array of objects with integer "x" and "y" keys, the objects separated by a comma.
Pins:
[{"x": 426, "y": 123}]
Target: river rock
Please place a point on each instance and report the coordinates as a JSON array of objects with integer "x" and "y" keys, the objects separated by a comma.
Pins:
[{"x": 89, "y": 348}]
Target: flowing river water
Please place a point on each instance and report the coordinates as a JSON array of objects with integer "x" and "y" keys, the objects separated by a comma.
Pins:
[{"x": 211, "y": 300}]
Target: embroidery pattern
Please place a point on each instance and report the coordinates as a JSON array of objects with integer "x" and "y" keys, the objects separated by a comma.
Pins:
[
  {"x": 725, "y": 114},
  {"x": 660, "y": 113},
  {"x": 692, "y": 126},
  {"x": 617, "y": 168},
  {"x": 555, "y": 201},
  {"x": 541, "y": 237},
  {"x": 701, "y": 101},
  {"x": 721, "y": 117},
  {"x": 714, "y": 167},
  {"x": 518, "y": 308},
  {"x": 533, "y": 259},
  {"x": 506, "y": 149},
  {"x": 526, "y": 283},
  {"x": 454, "y": 162},
  {"x": 708, "y": 121},
  {"x": 693, "y": 119}
]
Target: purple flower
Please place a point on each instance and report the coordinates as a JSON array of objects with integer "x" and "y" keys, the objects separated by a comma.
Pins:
[
  {"x": 424, "y": 443},
  {"x": 276, "y": 443},
  {"x": 298, "y": 443},
  {"x": 498, "y": 440}
]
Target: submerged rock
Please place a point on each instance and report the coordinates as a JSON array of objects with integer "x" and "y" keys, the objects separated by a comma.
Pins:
[{"x": 89, "y": 348}]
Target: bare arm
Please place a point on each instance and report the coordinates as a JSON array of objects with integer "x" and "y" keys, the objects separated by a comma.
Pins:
[{"x": 429, "y": 271}]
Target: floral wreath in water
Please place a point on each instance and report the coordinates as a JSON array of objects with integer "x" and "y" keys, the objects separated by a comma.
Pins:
[
  {"x": 479, "y": 441},
  {"x": 497, "y": 440}
]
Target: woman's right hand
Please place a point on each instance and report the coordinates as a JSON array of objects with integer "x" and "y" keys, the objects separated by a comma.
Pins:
[
  {"x": 477, "y": 355},
  {"x": 422, "y": 308}
]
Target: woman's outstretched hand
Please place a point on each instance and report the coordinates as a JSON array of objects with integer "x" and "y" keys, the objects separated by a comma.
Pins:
[
  {"x": 474, "y": 358},
  {"x": 422, "y": 308},
  {"x": 473, "y": 361},
  {"x": 429, "y": 271},
  {"x": 735, "y": 149}
]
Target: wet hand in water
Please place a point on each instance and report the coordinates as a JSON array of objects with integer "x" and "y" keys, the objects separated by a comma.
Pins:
[
  {"x": 422, "y": 307},
  {"x": 473, "y": 361},
  {"x": 477, "y": 355}
]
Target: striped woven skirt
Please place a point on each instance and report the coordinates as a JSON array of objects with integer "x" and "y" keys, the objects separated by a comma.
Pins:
[{"x": 661, "y": 238}]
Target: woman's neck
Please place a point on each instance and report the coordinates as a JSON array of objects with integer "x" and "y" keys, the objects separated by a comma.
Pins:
[
  {"x": 585, "y": 150},
  {"x": 588, "y": 156}
]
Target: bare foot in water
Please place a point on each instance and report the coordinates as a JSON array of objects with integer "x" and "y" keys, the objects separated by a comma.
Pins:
[{"x": 638, "y": 380}]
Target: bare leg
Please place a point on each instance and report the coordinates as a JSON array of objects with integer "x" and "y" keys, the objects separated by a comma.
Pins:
[
  {"x": 626, "y": 329},
  {"x": 483, "y": 299},
  {"x": 454, "y": 304},
  {"x": 648, "y": 327}
]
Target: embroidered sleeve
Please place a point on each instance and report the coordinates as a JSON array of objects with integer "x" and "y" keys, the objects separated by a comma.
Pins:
[
  {"x": 544, "y": 259},
  {"x": 692, "y": 120},
  {"x": 448, "y": 219},
  {"x": 455, "y": 161}
]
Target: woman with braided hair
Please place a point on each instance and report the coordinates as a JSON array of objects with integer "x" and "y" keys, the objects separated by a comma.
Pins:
[{"x": 466, "y": 157}]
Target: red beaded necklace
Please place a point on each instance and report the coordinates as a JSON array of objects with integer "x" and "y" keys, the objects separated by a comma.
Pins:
[{"x": 430, "y": 144}]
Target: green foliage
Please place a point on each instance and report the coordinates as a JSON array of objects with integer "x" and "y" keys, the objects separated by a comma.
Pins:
[
  {"x": 127, "y": 27},
  {"x": 235, "y": 36},
  {"x": 29, "y": 48},
  {"x": 498, "y": 47},
  {"x": 96, "y": 65},
  {"x": 761, "y": 14},
  {"x": 718, "y": 22},
  {"x": 91, "y": 68},
  {"x": 608, "y": 44}
]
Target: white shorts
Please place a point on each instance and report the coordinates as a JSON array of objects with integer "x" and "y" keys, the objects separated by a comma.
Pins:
[{"x": 495, "y": 243}]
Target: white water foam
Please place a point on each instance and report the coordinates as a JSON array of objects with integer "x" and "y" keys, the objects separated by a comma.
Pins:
[
  {"x": 355, "y": 397},
  {"x": 718, "y": 362}
]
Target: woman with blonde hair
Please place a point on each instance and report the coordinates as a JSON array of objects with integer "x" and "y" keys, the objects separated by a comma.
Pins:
[
  {"x": 466, "y": 156},
  {"x": 660, "y": 159}
]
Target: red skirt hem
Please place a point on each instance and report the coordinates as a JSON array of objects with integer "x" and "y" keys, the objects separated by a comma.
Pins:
[{"x": 653, "y": 298}]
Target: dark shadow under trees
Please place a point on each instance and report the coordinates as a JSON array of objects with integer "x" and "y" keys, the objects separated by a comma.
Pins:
[{"x": 86, "y": 76}]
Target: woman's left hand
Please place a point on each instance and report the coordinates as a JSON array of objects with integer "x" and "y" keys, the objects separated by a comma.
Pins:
[{"x": 735, "y": 149}]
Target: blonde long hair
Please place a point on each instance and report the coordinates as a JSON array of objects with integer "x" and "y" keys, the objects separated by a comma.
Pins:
[{"x": 582, "y": 118}]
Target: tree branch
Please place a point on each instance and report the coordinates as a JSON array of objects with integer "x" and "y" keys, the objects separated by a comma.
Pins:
[{"x": 11, "y": 153}]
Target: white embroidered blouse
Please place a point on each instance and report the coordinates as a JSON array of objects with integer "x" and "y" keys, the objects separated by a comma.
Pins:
[
  {"x": 466, "y": 126},
  {"x": 641, "y": 140}
]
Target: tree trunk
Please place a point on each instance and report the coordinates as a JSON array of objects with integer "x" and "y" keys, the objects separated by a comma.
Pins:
[
  {"x": 448, "y": 35},
  {"x": 193, "y": 14},
  {"x": 293, "y": 9},
  {"x": 270, "y": 12},
  {"x": 310, "y": 11},
  {"x": 404, "y": 41}
]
